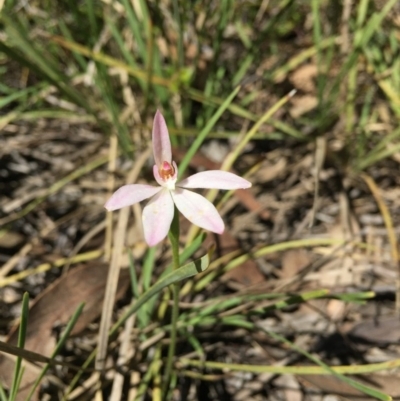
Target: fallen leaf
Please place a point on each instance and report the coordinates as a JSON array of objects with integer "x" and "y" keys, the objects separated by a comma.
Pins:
[
  {"x": 303, "y": 78},
  {"x": 10, "y": 239},
  {"x": 55, "y": 306},
  {"x": 332, "y": 385},
  {"x": 302, "y": 105},
  {"x": 382, "y": 330},
  {"x": 247, "y": 273},
  {"x": 293, "y": 262}
]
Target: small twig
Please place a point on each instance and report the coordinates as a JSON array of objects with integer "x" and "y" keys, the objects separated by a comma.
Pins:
[{"x": 113, "y": 273}]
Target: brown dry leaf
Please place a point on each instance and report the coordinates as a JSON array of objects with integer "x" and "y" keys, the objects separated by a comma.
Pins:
[
  {"x": 10, "y": 239},
  {"x": 381, "y": 331},
  {"x": 268, "y": 172},
  {"x": 331, "y": 385},
  {"x": 252, "y": 204},
  {"x": 303, "y": 77},
  {"x": 245, "y": 274},
  {"x": 293, "y": 262},
  {"x": 302, "y": 105},
  {"x": 248, "y": 272},
  {"x": 55, "y": 306}
]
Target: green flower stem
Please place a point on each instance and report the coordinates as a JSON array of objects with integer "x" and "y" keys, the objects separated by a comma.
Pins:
[{"x": 175, "y": 288}]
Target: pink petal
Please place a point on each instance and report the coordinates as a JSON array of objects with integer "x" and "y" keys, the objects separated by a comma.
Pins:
[
  {"x": 198, "y": 210},
  {"x": 215, "y": 179},
  {"x": 161, "y": 143},
  {"x": 129, "y": 195},
  {"x": 157, "y": 217}
]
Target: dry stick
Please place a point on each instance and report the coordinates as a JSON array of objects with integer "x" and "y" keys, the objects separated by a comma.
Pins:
[
  {"x": 113, "y": 273},
  {"x": 390, "y": 230},
  {"x": 44, "y": 267},
  {"x": 345, "y": 26},
  {"x": 111, "y": 289},
  {"x": 98, "y": 228},
  {"x": 12, "y": 262},
  {"x": 98, "y": 395},
  {"x": 320, "y": 153},
  {"x": 11, "y": 351},
  {"x": 87, "y": 388},
  {"x": 111, "y": 184},
  {"x": 116, "y": 392}
]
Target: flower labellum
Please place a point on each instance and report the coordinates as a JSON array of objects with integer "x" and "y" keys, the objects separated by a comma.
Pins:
[{"x": 159, "y": 211}]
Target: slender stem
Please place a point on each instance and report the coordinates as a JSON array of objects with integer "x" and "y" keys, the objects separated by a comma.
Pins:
[{"x": 175, "y": 288}]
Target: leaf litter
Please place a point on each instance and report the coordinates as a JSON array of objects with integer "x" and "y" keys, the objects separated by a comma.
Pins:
[{"x": 279, "y": 208}]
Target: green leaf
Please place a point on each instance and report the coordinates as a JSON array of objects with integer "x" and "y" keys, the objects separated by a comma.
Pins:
[{"x": 175, "y": 276}]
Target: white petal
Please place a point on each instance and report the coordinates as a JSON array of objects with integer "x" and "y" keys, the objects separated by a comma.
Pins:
[
  {"x": 129, "y": 195},
  {"x": 215, "y": 179},
  {"x": 157, "y": 217},
  {"x": 161, "y": 142},
  {"x": 198, "y": 210}
]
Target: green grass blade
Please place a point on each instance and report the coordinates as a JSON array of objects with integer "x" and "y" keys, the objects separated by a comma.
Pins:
[
  {"x": 60, "y": 344},
  {"x": 317, "y": 37},
  {"x": 242, "y": 70},
  {"x": 33, "y": 58},
  {"x": 377, "y": 156},
  {"x": 133, "y": 275},
  {"x": 21, "y": 344},
  {"x": 122, "y": 47},
  {"x": 3, "y": 395},
  {"x": 187, "y": 252},
  {"x": 204, "y": 132},
  {"x": 300, "y": 370},
  {"x": 109, "y": 98},
  {"x": 148, "y": 268},
  {"x": 374, "y": 24},
  {"x": 175, "y": 276},
  {"x": 67, "y": 33},
  {"x": 184, "y": 272},
  {"x": 355, "y": 297},
  {"x": 21, "y": 95},
  {"x": 359, "y": 386},
  {"x": 90, "y": 6},
  {"x": 147, "y": 275},
  {"x": 136, "y": 28}
]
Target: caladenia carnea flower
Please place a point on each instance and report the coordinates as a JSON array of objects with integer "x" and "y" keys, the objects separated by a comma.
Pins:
[{"x": 159, "y": 211}]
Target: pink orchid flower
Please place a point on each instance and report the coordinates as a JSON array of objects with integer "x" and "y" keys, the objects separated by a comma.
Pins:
[{"x": 159, "y": 211}]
